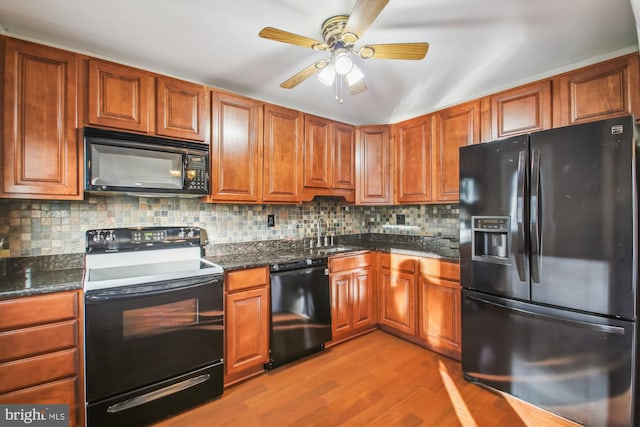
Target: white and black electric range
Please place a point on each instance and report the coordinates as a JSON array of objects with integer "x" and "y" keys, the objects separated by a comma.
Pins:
[{"x": 153, "y": 324}]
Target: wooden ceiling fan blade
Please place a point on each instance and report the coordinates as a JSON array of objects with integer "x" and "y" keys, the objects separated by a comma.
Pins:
[
  {"x": 294, "y": 39},
  {"x": 301, "y": 76},
  {"x": 362, "y": 15},
  {"x": 415, "y": 51}
]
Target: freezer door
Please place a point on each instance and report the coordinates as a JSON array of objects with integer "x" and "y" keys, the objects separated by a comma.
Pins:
[
  {"x": 582, "y": 217},
  {"x": 575, "y": 365},
  {"x": 493, "y": 217}
]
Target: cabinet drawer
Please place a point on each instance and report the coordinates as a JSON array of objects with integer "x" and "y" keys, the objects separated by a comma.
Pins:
[
  {"x": 405, "y": 263},
  {"x": 349, "y": 262},
  {"x": 246, "y": 279},
  {"x": 38, "y": 340},
  {"x": 63, "y": 391},
  {"x": 437, "y": 268},
  {"x": 30, "y": 311},
  {"x": 37, "y": 370},
  {"x": 58, "y": 392}
]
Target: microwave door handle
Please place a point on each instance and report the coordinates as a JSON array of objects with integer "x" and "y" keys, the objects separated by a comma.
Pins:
[{"x": 184, "y": 171}]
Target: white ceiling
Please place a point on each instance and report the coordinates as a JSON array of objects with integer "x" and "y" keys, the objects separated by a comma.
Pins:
[{"x": 476, "y": 46}]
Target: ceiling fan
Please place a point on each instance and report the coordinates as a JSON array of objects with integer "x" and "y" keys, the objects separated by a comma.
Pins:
[{"x": 340, "y": 34}]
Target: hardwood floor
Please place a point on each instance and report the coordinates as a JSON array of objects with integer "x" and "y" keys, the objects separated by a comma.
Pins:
[{"x": 373, "y": 380}]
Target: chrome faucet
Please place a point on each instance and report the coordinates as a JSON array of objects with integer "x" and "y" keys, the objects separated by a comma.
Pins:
[{"x": 318, "y": 225}]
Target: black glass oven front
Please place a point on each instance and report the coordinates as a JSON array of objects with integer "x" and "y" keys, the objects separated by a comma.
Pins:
[{"x": 138, "y": 336}]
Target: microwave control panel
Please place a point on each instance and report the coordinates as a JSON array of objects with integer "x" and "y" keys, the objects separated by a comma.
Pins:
[{"x": 196, "y": 176}]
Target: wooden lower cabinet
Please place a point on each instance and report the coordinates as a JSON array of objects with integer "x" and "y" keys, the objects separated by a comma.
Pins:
[
  {"x": 439, "y": 322},
  {"x": 40, "y": 357},
  {"x": 419, "y": 300},
  {"x": 353, "y": 298},
  {"x": 246, "y": 323},
  {"x": 397, "y": 292}
]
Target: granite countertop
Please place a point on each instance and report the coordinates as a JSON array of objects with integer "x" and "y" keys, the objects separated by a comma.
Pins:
[
  {"x": 25, "y": 276},
  {"x": 21, "y": 277},
  {"x": 444, "y": 249}
]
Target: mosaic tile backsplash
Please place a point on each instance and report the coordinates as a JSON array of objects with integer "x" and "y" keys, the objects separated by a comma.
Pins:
[{"x": 32, "y": 228}]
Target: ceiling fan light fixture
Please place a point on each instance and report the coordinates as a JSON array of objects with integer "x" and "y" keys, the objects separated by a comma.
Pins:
[
  {"x": 342, "y": 63},
  {"x": 354, "y": 76},
  {"x": 328, "y": 75}
]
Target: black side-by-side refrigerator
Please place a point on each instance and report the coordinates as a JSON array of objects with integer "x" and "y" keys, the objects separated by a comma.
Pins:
[{"x": 548, "y": 261}]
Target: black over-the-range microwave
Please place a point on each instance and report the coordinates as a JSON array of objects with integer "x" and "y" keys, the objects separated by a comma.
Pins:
[{"x": 141, "y": 165}]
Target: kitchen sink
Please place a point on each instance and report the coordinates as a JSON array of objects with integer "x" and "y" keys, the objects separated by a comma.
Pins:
[{"x": 333, "y": 249}]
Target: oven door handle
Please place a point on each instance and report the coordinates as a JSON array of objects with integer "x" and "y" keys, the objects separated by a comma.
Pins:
[
  {"x": 158, "y": 394},
  {"x": 126, "y": 292}
]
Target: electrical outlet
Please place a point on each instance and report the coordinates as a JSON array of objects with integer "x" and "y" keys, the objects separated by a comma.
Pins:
[
  {"x": 271, "y": 220},
  {"x": 400, "y": 219}
]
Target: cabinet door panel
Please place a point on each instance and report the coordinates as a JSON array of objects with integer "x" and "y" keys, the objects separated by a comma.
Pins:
[
  {"x": 521, "y": 110},
  {"x": 40, "y": 147},
  {"x": 120, "y": 96},
  {"x": 282, "y": 155},
  {"x": 373, "y": 166},
  {"x": 317, "y": 152},
  {"x": 455, "y": 127},
  {"x": 235, "y": 149},
  {"x": 439, "y": 314},
  {"x": 344, "y": 156},
  {"x": 600, "y": 91},
  {"x": 397, "y": 299},
  {"x": 341, "y": 308},
  {"x": 363, "y": 299},
  {"x": 246, "y": 321},
  {"x": 413, "y": 160},
  {"x": 180, "y": 109}
]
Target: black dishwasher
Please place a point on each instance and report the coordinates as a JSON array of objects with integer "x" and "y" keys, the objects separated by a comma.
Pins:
[{"x": 300, "y": 310}]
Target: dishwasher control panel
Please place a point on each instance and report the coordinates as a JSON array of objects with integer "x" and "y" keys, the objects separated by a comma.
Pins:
[{"x": 297, "y": 264}]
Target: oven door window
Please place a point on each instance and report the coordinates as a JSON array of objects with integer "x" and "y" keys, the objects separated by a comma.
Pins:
[
  {"x": 159, "y": 319},
  {"x": 116, "y": 166},
  {"x": 141, "y": 339}
]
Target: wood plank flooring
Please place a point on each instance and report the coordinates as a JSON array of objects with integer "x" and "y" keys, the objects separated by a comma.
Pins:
[{"x": 373, "y": 380}]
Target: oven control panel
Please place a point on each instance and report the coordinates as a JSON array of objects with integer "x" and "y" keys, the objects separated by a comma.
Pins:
[{"x": 133, "y": 239}]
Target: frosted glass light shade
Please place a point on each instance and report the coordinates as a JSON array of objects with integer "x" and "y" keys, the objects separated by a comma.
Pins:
[{"x": 327, "y": 75}]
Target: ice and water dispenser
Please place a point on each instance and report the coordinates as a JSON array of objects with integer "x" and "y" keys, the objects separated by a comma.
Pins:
[{"x": 490, "y": 238}]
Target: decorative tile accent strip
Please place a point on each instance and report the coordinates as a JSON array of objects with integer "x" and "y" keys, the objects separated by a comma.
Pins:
[{"x": 37, "y": 228}]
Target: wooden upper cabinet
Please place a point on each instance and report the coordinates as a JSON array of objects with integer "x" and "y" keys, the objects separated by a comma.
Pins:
[
  {"x": 283, "y": 133},
  {"x": 344, "y": 156},
  {"x": 521, "y": 110},
  {"x": 455, "y": 127},
  {"x": 236, "y": 140},
  {"x": 40, "y": 145},
  {"x": 373, "y": 166},
  {"x": 120, "y": 97},
  {"x": 318, "y": 155},
  {"x": 413, "y": 160},
  {"x": 181, "y": 109},
  {"x": 601, "y": 91}
]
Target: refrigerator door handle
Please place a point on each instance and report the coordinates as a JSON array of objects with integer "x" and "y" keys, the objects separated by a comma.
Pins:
[
  {"x": 522, "y": 164},
  {"x": 608, "y": 329},
  {"x": 534, "y": 230}
]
